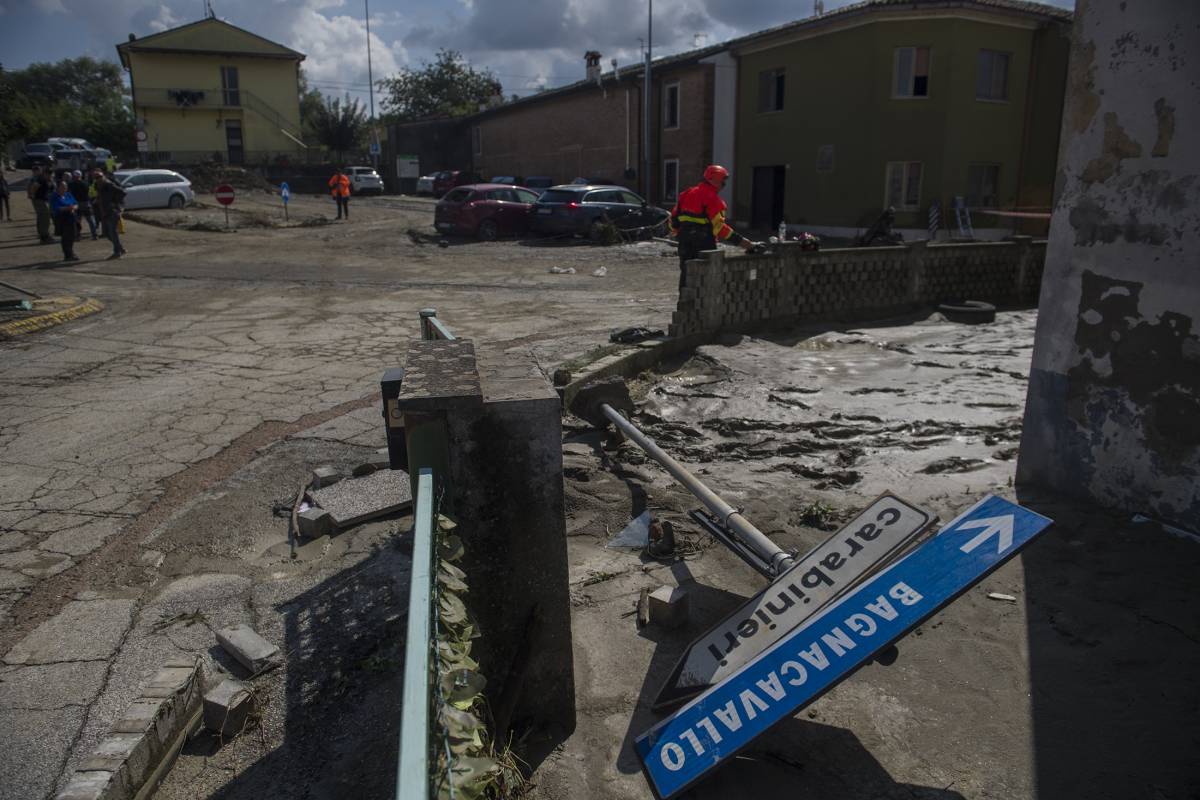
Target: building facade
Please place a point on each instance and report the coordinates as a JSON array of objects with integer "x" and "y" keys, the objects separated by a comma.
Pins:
[
  {"x": 880, "y": 104},
  {"x": 212, "y": 91}
]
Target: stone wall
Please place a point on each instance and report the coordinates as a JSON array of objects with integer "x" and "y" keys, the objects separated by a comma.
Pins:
[{"x": 738, "y": 292}]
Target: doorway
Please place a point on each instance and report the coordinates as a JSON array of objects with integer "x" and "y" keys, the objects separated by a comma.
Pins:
[
  {"x": 233, "y": 141},
  {"x": 766, "y": 203}
]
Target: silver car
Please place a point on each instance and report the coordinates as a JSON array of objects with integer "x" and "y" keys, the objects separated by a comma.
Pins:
[{"x": 154, "y": 188}]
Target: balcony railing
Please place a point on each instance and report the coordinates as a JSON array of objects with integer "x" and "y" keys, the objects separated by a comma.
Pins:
[{"x": 185, "y": 98}]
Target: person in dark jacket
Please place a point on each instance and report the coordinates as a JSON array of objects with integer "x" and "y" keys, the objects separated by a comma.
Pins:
[
  {"x": 5, "y": 208},
  {"x": 65, "y": 210},
  {"x": 111, "y": 199},
  {"x": 39, "y": 196},
  {"x": 79, "y": 189}
]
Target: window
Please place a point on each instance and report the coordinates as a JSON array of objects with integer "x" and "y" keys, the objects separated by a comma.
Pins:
[
  {"x": 457, "y": 195},
  {"x": 911, "y": 72},
  {"x": 671, "y": 106},
  {"x": 526, "y": 196},
  {"x": 982, "y": 182},
  {"x": 631, "y": 198},
  {"x": 477, "y": 140},
  {"x": 670, "y": 179},
  {"x": 770, "y": 90},
  {"x": 991, "y": 79},
  {"x": 903, "y": 189},
  {"x": 230, "y": 96}
]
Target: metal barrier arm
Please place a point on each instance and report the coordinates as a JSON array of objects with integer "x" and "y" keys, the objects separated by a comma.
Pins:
[
  {"x": 412, "y": 773},
  {"x": 432, "y": 328}
]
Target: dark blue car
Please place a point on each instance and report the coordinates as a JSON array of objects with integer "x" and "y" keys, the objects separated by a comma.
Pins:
[{"x": 584, "y": 210}]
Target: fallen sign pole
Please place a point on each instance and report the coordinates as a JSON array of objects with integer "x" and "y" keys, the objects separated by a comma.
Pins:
[
  {"x": 833, "y": 567},
  {"x": 831, "y": 646}
]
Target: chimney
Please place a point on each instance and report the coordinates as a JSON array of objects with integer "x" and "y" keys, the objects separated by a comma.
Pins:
[{"x": 592, "y": 59}]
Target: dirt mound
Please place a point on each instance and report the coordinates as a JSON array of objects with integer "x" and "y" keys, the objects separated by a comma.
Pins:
[{"x": 206, "y": 177}]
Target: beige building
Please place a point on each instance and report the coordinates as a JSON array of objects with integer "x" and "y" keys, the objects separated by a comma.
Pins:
[{"x": 210, "y": 90}]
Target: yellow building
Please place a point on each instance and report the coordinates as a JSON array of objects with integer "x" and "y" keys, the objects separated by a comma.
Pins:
[{"x": 210, "y": 90}]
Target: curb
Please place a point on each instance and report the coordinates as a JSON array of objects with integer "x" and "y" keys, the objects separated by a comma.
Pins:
[
  {"x": 52, "y": 318},
  {"x": 138, "y": 749},
  {"x": 633, "y": 362}
]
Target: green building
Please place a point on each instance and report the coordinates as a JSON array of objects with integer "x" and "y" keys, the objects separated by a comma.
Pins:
[{"x": 902, "y": 104}]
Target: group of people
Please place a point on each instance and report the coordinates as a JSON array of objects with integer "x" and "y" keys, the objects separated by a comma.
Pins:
[{"x": 64, "y": 201}]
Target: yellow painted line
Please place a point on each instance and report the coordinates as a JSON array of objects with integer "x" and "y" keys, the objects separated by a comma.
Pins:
[{"x": 49, "y": 320}]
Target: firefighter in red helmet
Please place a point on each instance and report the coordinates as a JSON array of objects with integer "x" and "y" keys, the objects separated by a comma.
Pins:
[{"x": 698, "y": 219}]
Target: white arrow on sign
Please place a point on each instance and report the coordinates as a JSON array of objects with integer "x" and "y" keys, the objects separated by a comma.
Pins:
[{"x": 1002, "y": 527}]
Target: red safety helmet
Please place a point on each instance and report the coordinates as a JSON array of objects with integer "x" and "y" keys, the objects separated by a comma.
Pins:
[{"x": 715, "y": 173}]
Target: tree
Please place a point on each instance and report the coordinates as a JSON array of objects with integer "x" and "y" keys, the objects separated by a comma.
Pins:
[
  {"x": 449, "y": 87},
  {"x": 341, "y": 126},
  {"x": 312, "y": 104},
  {"x": 74, "y": 97}
]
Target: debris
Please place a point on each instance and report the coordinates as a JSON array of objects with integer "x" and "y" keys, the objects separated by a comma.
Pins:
[
  {"x": 443, "y": 243},
  {"x": 375, "y": 464},
  {"x": 562, "y": 270},
  {"x": 643, "y": 608},
  {"x": 634, "y": 335},
  {"x": 228, "y": 707},
  {"x": 1007, "y": 598},
  {"x": 314, "y": 523},
  {"x": 562, "y": 376},
  {"x": 635, "y": 534},
  {"x": 599, "y": 272},
  {"x": 669, "y": 606},
  {"x": 249, "y": 649},
  {"x": 662, "y": 539},
  {"x": 375, "y": 495},
  {"x": 325, "y": 476}
]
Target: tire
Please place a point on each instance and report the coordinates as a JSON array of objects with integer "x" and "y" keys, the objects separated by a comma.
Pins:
[
  {"x": 487, "y": 231},
  {"x": 596, "y": 231},
  {"x": 968, "y": 312},
  {"x": 176, "y": 201}
]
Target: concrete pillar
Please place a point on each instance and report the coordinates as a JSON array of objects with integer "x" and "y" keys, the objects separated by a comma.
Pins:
[{"x": 1113, "y": 412}]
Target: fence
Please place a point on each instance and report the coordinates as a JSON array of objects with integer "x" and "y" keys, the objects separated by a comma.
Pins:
[{"x": 416, "y": 745}]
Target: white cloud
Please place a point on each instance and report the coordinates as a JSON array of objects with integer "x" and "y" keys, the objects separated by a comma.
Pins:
[
  {"x": 165, "y": 20},
  {"x": 336, "y": 49},
  {"x": 50, "y": 6}
]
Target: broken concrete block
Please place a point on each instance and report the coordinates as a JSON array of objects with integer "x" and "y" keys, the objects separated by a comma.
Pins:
[
  {"x": 362, "y": 499},
  {"x": 251, "y": 650},
  {"x": 314, "y": 523},
  {"x": 374, "y": 464},
  {"x": 325, "y": 476},
  {"x": 227, "y": 707},
  {"x": 669, "y": 606}
]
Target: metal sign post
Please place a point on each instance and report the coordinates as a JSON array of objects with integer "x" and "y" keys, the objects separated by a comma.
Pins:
[
  {"x": 285, "y": 194},
  {"x": 878, "y": 532},
  {"x": 224, "y": 196},
  {"x": 828, "y": 648}
]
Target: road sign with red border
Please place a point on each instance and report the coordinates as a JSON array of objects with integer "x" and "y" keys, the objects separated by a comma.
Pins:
[{"x": 224, "y": 194}]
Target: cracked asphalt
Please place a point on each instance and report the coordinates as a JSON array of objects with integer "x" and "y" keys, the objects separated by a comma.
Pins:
[{"x": 212, "y": 347}]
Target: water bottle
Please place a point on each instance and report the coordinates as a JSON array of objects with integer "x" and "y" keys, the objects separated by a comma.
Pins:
[{"x": 782, "y": 231}]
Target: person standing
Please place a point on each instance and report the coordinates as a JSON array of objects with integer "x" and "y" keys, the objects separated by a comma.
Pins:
[
  {"x": 698, "y": 219},
  {"x": 111, "y": 198},
  {"x": 110, "y": 164},
  {"x": 79, "y": 190},
  {"x": 339, "y": 187},
  {"x": 65, "y": 209},
  {"x": 5, "y": 208},
  {"x": 39, "y": 196}
]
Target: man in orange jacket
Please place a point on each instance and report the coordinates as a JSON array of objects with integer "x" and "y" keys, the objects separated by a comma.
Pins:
[
  {"x": 698, "y": 219},
  {"x": 339, "y": 187}
]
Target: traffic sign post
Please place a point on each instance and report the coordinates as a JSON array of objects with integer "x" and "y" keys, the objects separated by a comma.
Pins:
[
  {"x": 831, "y": 568},
  {"x": 224, "y": 196},
  {"x": 828, "y": 648},
  {"x": 285, "y": 194}
]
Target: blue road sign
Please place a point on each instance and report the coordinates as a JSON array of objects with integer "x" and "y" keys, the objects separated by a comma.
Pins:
[
  {"x": 828, "y": 648},
  {"x": 285, "y": 193}
]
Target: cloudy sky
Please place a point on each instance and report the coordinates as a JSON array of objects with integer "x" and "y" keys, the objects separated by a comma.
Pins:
[{"x": 526, "y": 43}]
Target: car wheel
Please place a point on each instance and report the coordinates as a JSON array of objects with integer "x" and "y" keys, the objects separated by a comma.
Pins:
[
  {"x": 970, "y": 312},
  {"x": 488, "y": 230},
  {"x": 176, "y": 201},
  {"x": 596, "y": 230}
]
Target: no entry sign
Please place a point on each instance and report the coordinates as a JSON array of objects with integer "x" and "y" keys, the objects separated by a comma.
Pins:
[
  {"x": 827, "y": 649},
  {"x": 831, "y": 568},
  {"x": 224, "y": 194}
]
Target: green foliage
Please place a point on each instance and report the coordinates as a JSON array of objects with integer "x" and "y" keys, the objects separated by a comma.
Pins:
[
  {"x": 340, "y": 125},
  {"x": 449, "y": 87},
  {"x": 73, "y": 97},
  {"x": 312, "y": 104}
]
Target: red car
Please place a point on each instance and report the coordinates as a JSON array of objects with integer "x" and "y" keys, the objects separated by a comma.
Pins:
[
  {"x": 484, "y": 210},
  {"x": 447, "y": 179}
]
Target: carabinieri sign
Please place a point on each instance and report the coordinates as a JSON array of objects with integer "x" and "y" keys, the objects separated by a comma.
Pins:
[{"x": 830, "y": 647}]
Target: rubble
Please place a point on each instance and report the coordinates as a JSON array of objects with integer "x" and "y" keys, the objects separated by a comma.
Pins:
[
  {"x": 669, "y": 606},
  {"x": 362, "y": 499},
  {"x": 249, "y": 649},
  {"x": 227, "y": 707}
]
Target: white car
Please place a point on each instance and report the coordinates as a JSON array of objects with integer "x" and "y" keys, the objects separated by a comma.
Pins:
[
  {"x": 364, "y": 180},
  {"x": 425, "y": 184},
  {"x": 154, "y": 188}
]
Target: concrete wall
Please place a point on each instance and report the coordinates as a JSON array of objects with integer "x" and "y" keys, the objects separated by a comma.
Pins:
[
  {"x": 1113, "y": 412},
  {"x": 743, "y": 292}
]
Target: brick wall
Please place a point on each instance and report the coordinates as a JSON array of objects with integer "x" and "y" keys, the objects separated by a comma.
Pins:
[
  {"x": 691, "y": 142},
  {"x": 739, "y": 292}
]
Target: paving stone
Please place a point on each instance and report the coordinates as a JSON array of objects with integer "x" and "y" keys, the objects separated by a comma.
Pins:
[
  {"x": 669, "y": 606},
  {"x": 314, "y": 523},
  {"x": 50, "y": 686},
  {"x": 82, "y": 631},
  {"x": 227, "y": 707},
  {"x": 251, "y": 650},
  {"x": 325, "y": 476},
  {"x": 361, "y": 499}
]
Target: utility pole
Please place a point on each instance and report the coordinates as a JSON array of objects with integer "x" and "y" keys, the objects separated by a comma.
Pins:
[
  {"x": 646, "y": 103},
  {"x": 371, "y": 85}
]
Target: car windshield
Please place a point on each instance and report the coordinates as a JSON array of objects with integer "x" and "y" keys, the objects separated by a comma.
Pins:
[
  {"x": 456, "y": 195},
  {"x": 559, "y": 196}
]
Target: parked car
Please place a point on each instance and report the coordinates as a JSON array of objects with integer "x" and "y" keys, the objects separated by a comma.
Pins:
[
  {"x": 507, "y": 180},
  {"x": 364, "y": 180},
  {"x": 583, "y": 210},
  {"x": 71, "y": 142},
  {"x": 484, "y": 210},
  {"x": 36, "y": 155},
  {"x": 154, "y": 188},
  {"x": 425, "y": 183},
  {"x": 447, "y": 179},
  {"x": 73, "y": 158},
  {"x": 538, "y": 182}
]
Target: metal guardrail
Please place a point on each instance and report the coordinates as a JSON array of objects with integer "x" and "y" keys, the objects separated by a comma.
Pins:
[
  {"x": 412, "y": 772},
  {"x": 432, "y": 328}
]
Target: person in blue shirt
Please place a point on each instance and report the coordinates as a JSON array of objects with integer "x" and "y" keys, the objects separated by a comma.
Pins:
[{"x": 64, "y": 207}]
